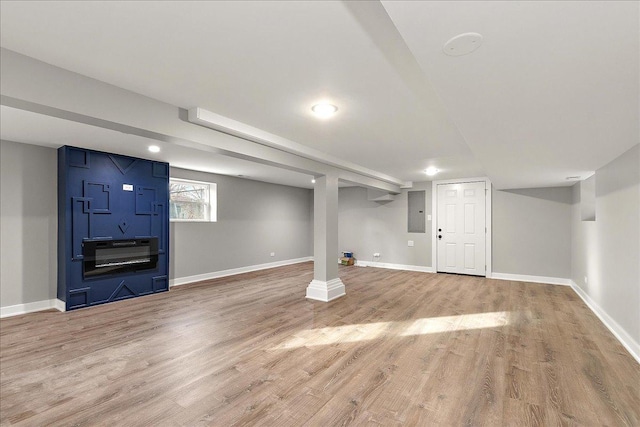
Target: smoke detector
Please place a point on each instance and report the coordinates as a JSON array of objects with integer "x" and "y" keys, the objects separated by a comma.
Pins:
[{"x": 462, "y": 44}]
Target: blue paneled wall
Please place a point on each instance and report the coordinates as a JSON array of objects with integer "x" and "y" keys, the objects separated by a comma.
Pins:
[{"x": 104, "y": 196}]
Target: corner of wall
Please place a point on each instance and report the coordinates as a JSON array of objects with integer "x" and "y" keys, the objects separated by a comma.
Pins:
[{"x": 619, "y": 332}]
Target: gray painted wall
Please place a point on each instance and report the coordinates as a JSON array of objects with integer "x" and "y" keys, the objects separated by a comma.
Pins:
[
  {"x": 535, "y": 231},
  {"x": 532, "y": 231},
  {"x": 607, "y": 250},
  {"x": 254, "y": 219},
  {"x": 28, "y": 223},
  {"x": 366, "y": 227}
]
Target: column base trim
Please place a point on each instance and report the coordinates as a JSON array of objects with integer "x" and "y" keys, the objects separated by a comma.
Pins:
[{"x": 325, "y": 291}]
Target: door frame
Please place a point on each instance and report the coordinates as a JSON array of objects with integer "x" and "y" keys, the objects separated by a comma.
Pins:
[{"x": 487, "y": 219}]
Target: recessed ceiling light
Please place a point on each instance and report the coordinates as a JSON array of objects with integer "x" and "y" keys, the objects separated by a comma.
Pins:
[
  {"x": 313, "y": 181},
  {"x": 324, "y": 110},
  {"x": 573, "y": 178},
  {"x": 462, "y": 44},
  {"x": 431, "y": 171},
  {"x": 154, "y": 148}
]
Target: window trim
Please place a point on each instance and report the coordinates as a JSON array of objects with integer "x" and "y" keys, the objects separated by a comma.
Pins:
[{"x": 213, "y": 200}]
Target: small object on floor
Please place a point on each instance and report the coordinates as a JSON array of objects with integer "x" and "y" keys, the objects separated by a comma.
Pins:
[{"x": 347, "y": 261}]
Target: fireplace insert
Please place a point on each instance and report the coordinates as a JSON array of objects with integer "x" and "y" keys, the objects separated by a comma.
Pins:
[{"x": 107, "y": 257}]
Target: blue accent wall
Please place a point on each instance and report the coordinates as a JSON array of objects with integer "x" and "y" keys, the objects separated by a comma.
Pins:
[{"x": 111, "y": 197}]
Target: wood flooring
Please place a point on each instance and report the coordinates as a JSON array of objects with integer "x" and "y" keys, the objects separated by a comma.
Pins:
[{"x": 401, "y": 349}]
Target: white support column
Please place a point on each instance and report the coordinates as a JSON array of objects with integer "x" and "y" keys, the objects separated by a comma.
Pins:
[{"x": 326, "y": 285}]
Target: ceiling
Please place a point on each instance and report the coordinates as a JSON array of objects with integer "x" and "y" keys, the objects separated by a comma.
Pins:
[
  {"x": 552, "y": 92},
  {"x": 31, "y": 128}
]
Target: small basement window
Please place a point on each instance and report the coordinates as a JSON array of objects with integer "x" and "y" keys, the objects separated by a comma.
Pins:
[{"x": 192, "y": 201}]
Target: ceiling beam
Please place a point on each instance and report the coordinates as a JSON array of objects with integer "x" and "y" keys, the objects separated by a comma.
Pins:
[{"x": 35, "y": 86}]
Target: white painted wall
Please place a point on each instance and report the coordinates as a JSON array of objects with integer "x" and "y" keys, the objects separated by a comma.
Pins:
[
  {"x": 607, "y": 250},
  {"x": 28, "y": 223}
]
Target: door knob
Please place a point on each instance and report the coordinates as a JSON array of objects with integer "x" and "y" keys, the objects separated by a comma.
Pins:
[
  {"x": 439, "y": 230},
  {"x": 439, "y": 236}
]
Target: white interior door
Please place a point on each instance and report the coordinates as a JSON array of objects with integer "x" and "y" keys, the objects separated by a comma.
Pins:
[{"x": 461, "y": 228}]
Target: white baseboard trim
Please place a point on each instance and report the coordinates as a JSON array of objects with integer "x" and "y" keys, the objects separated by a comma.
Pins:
[
  {"x": 390, "y": 266},
  {"x": 233, "y": 271},
  {"x": 625, "y": 339},
  {"x": 31, "y": 307},
  {"x": 60, "y": 305},
  {"x": 532, "y": 279}
]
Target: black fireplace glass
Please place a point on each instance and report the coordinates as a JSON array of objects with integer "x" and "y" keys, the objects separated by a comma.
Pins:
[{"x": 107, "y": 257}]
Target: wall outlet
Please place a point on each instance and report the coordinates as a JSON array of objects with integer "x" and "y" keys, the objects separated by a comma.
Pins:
[
  {"x": 376, "y": 255},
  {"x": 410, "y": 243},
  {"x": 272, "y": 254},
  {"x": 428, "y": 217}
]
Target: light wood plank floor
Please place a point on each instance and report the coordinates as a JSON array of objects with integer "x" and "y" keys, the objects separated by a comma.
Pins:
[{"x": 402, "y": 348}]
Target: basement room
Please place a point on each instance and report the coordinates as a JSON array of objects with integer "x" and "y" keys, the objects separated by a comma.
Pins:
[{"x": 319, "y": 213}]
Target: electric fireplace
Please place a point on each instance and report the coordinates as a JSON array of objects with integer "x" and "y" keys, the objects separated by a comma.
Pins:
[{"x": 108, "y": 257}]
